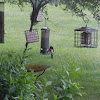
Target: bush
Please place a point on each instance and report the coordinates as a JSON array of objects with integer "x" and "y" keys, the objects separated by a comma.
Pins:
[
  {"x": 59, "y": 85},
  {"x": 15, "y": 82},
  {"x": 18, "y": 84}
]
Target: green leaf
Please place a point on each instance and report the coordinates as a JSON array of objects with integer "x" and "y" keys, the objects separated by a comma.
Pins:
[
  {"x": 59, "y": 88},
  {"x": 64, "y": 87},
  {"x": 55, "y": 97},
  {"x": 45, "y": 95},
  {"x": 6, "y": 97},
  {"x": 48, "y": 83},
  {"x": 46, "y": 99},
  {"x": 23, "y": 68},
  {"x": 40, "y": 86},
  {"x": 28, "y": 86},
  {"x": 79, "y": 94},
  {"x": 67, "y": 73},
  {"x": 63, "y": 82},
  {"x": 77, "y": 69},
  {"x": 69, "y": 96}
]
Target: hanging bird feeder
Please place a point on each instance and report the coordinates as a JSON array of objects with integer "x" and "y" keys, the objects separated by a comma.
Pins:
[
  {"x": 86, "y": 37},
  {"x": 39, "y": 17},
  {"x": 45, "y": 31},
  {"x": 32, "y": 36},
  {"x": 1, "y": 22}
]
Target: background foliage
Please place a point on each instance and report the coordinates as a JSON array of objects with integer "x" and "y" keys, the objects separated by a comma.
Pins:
[{"x": 77, "y": 7}]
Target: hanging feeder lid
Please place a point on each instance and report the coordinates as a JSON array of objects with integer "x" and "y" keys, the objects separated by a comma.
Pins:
[
  {"x": 85, "y": 29},
  {"x": 45, "y": 28}
]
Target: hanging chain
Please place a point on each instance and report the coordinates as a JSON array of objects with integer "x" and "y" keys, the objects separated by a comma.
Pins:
[
  {"x": 45, "y": 22},
  {"x": 85, "y": 19},
  {"x": 84, "y": 16}
]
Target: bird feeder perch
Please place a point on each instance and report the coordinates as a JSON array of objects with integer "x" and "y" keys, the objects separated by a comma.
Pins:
[{"x": 86, "y": 37}]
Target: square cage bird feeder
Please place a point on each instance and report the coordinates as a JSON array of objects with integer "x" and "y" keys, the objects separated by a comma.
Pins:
[
  {"x": 86, "y": 37},
  {"x": 32, "y": 36}
]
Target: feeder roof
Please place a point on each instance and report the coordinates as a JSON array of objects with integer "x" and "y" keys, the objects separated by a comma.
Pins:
[
  {"x": 86, "y": 29},
  {"x": 45, "y": 28}
]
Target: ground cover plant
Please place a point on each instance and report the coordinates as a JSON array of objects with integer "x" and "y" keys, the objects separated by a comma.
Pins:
[
  {"x": 16, "y": 83},
  {"x": 62, "y": 39}
]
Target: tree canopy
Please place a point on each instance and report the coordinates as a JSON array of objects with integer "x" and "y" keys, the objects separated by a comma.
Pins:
[{"x": 77, "y": 7}]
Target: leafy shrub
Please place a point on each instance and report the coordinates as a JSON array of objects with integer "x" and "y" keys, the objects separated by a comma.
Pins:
[
  {"x": 66, "y": 89},
  {"x": 18, "y": 84},
  {"x": 15, "y": 82},
  {"x": 60, "y": 85}
]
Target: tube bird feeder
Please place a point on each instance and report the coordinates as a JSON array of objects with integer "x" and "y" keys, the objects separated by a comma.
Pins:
[
  {"x": 45, "y": 40},
  {"x": 1, "y": 22}
]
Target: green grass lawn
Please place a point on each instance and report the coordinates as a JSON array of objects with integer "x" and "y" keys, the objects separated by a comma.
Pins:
[{"x": 62, "y": 39}]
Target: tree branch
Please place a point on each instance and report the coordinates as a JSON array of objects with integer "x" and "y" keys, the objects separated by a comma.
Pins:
[
  {"x": 41, "y": 4},
  {"x": 36, "y": 11},
  {"x": 32, "y": 1},
  {"x": 44, "y": 4},
  {"x": 36, "y": 4}
]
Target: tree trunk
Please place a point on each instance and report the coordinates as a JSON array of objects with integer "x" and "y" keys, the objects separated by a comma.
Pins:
[{"x": 31, "y": 27}]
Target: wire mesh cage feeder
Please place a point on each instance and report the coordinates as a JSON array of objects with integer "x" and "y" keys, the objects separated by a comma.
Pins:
[{"x": 86, "y": 37}]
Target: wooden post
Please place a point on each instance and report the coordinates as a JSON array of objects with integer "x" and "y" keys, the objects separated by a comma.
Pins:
[{"x": 1, "y": 22}]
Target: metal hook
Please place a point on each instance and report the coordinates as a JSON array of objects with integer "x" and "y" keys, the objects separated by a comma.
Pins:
[
  {"x": 45, "y": 22},
  {"x": 85, "y": 20}
]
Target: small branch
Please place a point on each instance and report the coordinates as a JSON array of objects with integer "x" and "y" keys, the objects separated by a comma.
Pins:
[
  {"x": 32, "y": 1},
  {"x": 26, "y": 45},
  {"x": 36, "y": 4},
  {"x": 31, "y": 26},
  {"x": 41, "y": 5},
  {"x": 44, "y": 4}
]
